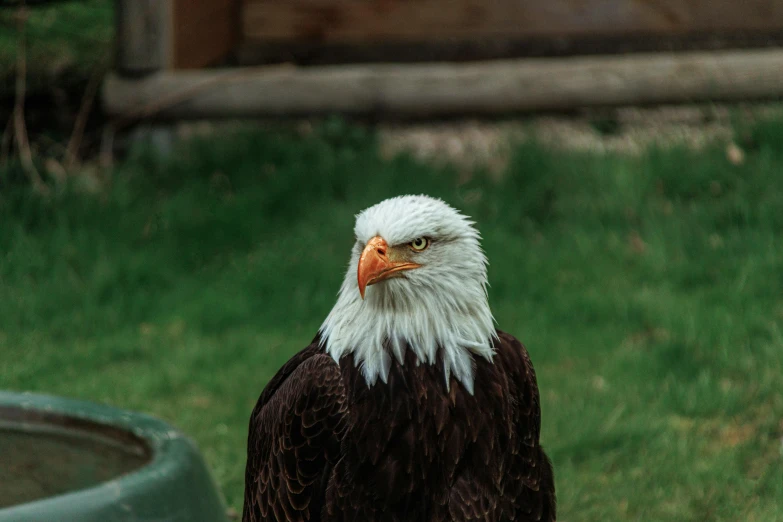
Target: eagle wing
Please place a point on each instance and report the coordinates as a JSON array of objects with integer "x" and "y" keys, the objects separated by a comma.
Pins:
[
  {"x": 294, "y": 440},
  {"x": 523, "y": 488}
]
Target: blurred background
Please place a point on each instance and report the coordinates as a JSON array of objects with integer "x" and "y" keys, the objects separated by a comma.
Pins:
[{"x": 178, "y": 181}]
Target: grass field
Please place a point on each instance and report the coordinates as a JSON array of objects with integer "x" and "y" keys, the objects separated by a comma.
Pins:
[{"x": 648, "y": 291}]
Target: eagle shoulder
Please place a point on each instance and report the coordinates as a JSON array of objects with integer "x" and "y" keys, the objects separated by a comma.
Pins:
[
  {"x": 294, "y": 439},
  {"x": 522, "y": 485}
]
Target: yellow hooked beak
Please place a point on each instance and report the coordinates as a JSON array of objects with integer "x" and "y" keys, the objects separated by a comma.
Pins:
[{"x": 376, "y": 265}]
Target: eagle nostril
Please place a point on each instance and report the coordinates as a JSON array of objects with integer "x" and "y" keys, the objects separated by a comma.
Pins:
[{"x": 381, "y": 251}]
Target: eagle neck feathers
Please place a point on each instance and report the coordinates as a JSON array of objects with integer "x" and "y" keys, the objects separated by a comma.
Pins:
[{"x": 450, "y": 325}]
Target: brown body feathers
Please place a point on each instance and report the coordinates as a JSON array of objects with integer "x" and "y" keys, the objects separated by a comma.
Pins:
[{"x": 324, "y": 446}]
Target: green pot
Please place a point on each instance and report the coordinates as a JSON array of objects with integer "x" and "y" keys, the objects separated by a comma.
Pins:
[{"x": 64, "y": 460}]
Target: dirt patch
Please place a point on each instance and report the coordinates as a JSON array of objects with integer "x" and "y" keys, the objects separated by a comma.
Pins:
[{"x": 628, "y": 130}]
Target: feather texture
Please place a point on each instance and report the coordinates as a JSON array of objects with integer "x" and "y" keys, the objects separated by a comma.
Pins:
[{"x": 325, "y": 446}]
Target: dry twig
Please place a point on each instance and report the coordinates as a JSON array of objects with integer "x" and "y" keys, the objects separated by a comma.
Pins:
[
  {"x": 88, "y": 98},
  {"x": 20, "y": 130}
]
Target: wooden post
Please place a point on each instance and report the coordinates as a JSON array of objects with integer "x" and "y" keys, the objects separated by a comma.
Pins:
[
  {"x": 154, "y": 35},
  {"x": 143, "y": 36}
]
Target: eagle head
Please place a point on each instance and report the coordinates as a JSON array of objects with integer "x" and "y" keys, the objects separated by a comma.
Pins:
[{"x": 417, "y": 280}]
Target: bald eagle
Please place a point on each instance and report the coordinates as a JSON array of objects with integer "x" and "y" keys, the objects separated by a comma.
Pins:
[{"x": 408, "y": 405}]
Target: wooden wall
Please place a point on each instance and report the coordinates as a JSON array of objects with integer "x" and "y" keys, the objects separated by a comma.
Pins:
[
  {"x": 182, "y": 34},
  {"x": 420, "y": 20},
  {"x": 166, "y": 36},
  {"x": 498, "y": 27},
  {"x": 204, "y": 31}
]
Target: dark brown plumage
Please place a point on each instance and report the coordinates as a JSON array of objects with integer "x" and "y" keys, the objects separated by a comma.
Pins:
[{"x": 324, "y": 446}]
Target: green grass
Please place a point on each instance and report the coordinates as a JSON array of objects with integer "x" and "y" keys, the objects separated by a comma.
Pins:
[
  {"x": 648, "y": 290},
  {"x": 66, "y": 41}
]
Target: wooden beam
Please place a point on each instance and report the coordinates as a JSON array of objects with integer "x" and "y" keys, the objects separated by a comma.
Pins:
[
  {"x": 358, "y": 21},
  {"x": 143, "y": 35},
  {"x": 204, "y": 31},
  {"x": 432, "y": 89}
]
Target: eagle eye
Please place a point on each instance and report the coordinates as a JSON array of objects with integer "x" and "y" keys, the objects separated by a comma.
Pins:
[{"x": 419, "y": 244}]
